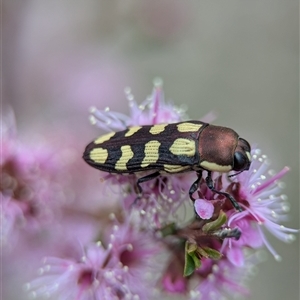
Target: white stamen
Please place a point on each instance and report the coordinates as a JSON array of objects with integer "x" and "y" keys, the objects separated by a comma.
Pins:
[
  {"x": 127, "y": 90},
  {"x": 194, "y": 294},
  {"x": 119, "y": 277},
  {"x": 130, "y": 97},
  {"x": 157, "y": 82},
  {"x": 112, "y": 216},
  {"x": 211, "y": 277},
  {"x": 92, "y": 120},
  {"x": 47, "y": 268},
  {"x": 278, "y": 258},
  {"x": 215, "y": 268},
  {"x": 273, "y": 214},
  {"x": 281, "y": 185},
  {"x": 96, "y": 282},
  {"x": 92, "y": 109},
  {"x": 257, "y": 151},
  {"x": 40, "y": 271},
  {"x": 285, "y": 207},
  {"x": 129, "y": 247},
  {"x": 33, "y": 295}
]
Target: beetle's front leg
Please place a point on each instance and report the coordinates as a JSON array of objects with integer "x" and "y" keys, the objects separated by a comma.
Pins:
[
  {"x": 210, "y": 184},
  {"x": 195, "y": 186}
]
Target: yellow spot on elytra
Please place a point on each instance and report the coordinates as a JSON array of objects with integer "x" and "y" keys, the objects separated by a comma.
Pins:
[
  {"x": 127, "y": 154},
  {"x": 183, "y": 147},
  {"x": 156, "y": 129},
  {"x": 175, "y": 168},
  {"x": 188, "y": 127},
  {"x": 99, "y": 155},
  {"x": 104, "y": 138},
  {"x": 210, "y": 166},
  {"x": 151, "y": 153},
  {"x": 132, "y": 130}
]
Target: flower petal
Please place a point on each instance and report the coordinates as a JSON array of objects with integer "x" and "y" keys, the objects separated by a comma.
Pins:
[{"x": 204, "y": 208}]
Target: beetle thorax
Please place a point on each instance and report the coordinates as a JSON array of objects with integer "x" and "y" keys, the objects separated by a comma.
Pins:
[{"x": 216, "y": 148}]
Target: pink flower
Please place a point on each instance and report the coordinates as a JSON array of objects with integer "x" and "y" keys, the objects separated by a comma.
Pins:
[
  {"x": 39, "y": 180},
  {"x": 74, "y": 279},
  {"x": 264, "y": 206},
  {"x": 204, "y": 208},
  {"x": 124, "y": 269},
  {"x": 250, "y": 238},
  {"x": 154, "y": 110},
  {"x": 220, "y": 278}
]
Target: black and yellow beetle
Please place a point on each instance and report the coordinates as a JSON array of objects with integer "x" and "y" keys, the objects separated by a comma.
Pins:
[{"x": 171, "y": 148}]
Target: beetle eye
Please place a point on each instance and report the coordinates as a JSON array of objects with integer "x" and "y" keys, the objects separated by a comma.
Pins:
[
  {"x": 245, "y": 145},
  {"x": 240, "y": 161}
]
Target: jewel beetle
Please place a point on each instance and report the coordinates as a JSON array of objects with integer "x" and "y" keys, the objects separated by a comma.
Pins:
[{"x": 171, "y": 148}]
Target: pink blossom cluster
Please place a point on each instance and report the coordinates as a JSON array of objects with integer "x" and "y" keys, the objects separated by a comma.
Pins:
[{"x": 120, "y": 248}]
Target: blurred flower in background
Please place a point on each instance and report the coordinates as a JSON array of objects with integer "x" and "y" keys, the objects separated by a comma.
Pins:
[{"x": 71, "y": 232}]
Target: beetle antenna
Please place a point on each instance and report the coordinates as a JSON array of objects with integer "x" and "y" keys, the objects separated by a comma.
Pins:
[{"x": 232, "y": 175}]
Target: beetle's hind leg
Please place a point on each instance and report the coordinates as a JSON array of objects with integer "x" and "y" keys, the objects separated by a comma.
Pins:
[
  {"x": 210, "y": 185},
  {"x": 144, "y": 179},
  {"x": 139, "y": 188}
]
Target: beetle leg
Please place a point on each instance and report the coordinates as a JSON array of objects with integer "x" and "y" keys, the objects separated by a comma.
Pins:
[
  {"x": 145, "y": 178},
  {"x": 227, "y": 233},
  {"x": 139, "y": 188},
  {"x": 210, "y": 185},
  {"x": 195, "y": 186}
]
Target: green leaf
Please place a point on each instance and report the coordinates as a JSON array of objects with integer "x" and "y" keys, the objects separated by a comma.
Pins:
[
  {"x": 190, "y": 248},
  {"x": 192, "y": 260},
  {"x": 196, "y": 259},
  {"x": 216, "y": 224},
  {"x": 202, "y": 252},
  {"x": 189, "y": 265},
  {"x": 212, "y": 253}
]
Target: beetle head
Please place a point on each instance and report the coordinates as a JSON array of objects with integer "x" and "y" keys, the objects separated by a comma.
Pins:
[{"x": 242, "y": 156}]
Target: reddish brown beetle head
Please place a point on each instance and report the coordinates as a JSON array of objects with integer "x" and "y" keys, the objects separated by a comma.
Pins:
[{"x": 222, "y": 150}]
